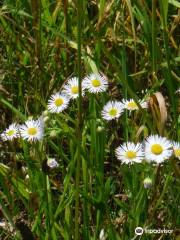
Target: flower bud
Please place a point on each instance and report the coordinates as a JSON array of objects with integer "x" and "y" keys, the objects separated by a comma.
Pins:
[
  {"x": 30, "y": 118},
  {"x": 53, "y": 134},
  {"x": 45, "y": 113},
  {"x": 102, "y": 235},
  {"x": 147, "y": 182},
  {"x": 45, "y": 119},
  {"x": 100, "y": 129},
  {"x": 52, "y": 163}
]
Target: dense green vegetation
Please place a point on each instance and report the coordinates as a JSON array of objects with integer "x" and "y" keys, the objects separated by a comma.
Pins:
[{"x": 90, "y": 194}]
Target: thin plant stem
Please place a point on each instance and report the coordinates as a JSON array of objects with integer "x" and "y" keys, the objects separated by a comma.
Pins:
[
  {"x": 65, "y": 5},
  {"x": 37, "y": 61},
  {"x": 124, "y": 72},
  {"x": 80, "y": 120},
  {"x": 154, "y": 38}
]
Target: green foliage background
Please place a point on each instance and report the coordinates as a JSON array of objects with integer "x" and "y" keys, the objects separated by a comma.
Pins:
[{"x": 136, "y": 44}]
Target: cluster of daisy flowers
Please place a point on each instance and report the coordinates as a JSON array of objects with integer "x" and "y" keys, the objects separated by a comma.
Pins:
[
  {"x": 93, "y": 83},
  {"x": 114, "y": 109},
  {"x": 155, "y": 149},
  {"x": 31, "y": 130}
]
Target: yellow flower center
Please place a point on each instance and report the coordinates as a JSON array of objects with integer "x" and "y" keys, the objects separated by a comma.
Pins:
[
  {"x": 113, "y": 112},
  {"x": 130, "y": 154},
  {"x": 156, "y": 149},
  {"x": 177, "y": 152},
  {"x": 59, "y": 102},
  {"x": 96, "y": 83},
  {"x": 74, "y": 90},
  {"x": 11, "y": 132},
  {"x": 132, "y": 105},
  {"x": 32, "y": 131}
]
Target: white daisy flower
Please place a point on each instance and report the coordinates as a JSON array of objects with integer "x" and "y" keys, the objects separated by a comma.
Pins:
[
  {"x": 57, "y": 103},
  {"x": 11, "y": 132},
  {"x": 32, "y": 130},
  {"x": 71, "y": 88},
  {"x": 130, "y": 153},
  {"x": 176, "y": 149},
  {"x": 95, "y": 83},
  {"x": 157, "y": 149},
  {"x": 132, "y": 105},
  {"x": 112, "y": 110}
]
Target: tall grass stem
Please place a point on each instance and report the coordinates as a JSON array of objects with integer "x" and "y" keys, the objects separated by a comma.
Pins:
[{"x": 79, "y": 121}]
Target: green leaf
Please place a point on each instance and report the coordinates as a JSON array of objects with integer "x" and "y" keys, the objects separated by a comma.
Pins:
[{"x": 175, "y": 3}]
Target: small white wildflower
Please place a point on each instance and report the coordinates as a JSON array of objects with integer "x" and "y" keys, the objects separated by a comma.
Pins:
[
  {"x": 157, "y": 149},
  {"x": 112, "y": 110},
  {"x": 71, "y": 88},
  {"x": 176, "y": 149},
  {"x": 57, "y": 103},
  {"x": 11, "y": 132},
  {"x": 32, "y": 130},
  {"x": 95, "y": 83},
  {"x": 130, "y": 153},
  {"x": 131, "y": 105}
]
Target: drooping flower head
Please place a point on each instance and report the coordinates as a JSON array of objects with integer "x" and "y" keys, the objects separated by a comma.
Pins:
[
  {"x": 147, "y": 182},
  {"x": 71, "y": 88},
  {"x": 130, "y": 153},
  {"x": 131, "y": 105},
  {"x": 157, "y": 149},
  {"x": 112, "y": 110},
  {"x": 95, "y": 83},
  {"x": 32, "y": 130},
  {"x": 52, "y": 163},
  {"x": 57, "y": 103},
  {"x": 11, "y": 132},
  {"x": 102, "y": 235},
  {"x": 178, "y": 91}
]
